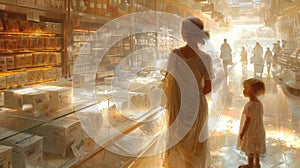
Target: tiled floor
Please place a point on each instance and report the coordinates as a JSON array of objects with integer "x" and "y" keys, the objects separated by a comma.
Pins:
[{"x": 282, "y": 122}]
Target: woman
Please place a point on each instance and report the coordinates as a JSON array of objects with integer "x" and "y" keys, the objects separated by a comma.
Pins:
[
  {"x": 257, "y": 59},
  {"x": 192, "y": 148},
  {"x": 244, "y": 58}
]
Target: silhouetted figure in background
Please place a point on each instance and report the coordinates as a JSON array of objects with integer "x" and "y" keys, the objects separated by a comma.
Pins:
[
  {"x": 226, "y": 55},
  {"x": 244, "y": 58},
  {"x": 257, "y": 59},
  {"x": 268, "y": 59},
  {"x": 276, "y": 50}
]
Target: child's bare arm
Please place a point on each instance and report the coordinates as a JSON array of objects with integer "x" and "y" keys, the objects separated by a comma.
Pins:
[{"x": 245, "y": 127}]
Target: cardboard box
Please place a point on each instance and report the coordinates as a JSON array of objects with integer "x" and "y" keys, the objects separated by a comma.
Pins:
[
  {"x": 11, "y": 100},
  {"x": 10, "y": 79},
  {"x": 3, "y": 63},
  {"x": 59, "y": 97},
  {"x": 5, "y": 156},
  {"x": 21, "y": 97},
  {"x": 2, "y": 82},
  {"x": 20, "y": 61},
  {"x": 50, "y": 74},
  {"x": 27, "y": 149},
  {"x": 10, "y": 62},
  {"x": 59, "y": 135},
  {"x": 28, "y": 60},
  {"x": 39, "y": 100}
]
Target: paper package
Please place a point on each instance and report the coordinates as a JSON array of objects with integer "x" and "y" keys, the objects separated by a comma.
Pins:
[
  {"x": 17, "y": 98},
  {"x": 59, "y": 135},
  {"x": 5, "y": 156},
  {"x": 27, "y": 149},
  {"x": 60, "y": 97}
]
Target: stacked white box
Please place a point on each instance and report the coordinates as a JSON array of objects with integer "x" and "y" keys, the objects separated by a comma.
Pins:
[
  {"x": 59, "y": 135},
  {"x": 59, "y": 97},
  {"x": 5, "y": 156},
  {"x": 13, "y": 100},
  {"x": 38, "y": 99},
  {"x": 17, "y": 98},
  {"x": 27, "y": 149}
]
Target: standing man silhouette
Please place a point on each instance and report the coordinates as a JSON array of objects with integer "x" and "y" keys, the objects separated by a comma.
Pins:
[{"x": 226, "y": 55}]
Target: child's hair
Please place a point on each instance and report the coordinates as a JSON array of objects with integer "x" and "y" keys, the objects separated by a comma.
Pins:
[{"x": 257, "y": 86}]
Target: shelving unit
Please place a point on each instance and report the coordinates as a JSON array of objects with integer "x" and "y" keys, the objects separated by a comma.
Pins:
[
  {"x": 49, "y": 36},
  {"x": 31, "y": 45}
]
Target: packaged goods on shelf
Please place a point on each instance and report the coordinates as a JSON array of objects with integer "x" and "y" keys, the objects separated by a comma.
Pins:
[
  {"x": 3, "y": 63},
  {"x": 58, "y": 43},
  {"x": 10, "y": 79},
  {"x": 49, "y": 74},
  {"x": 59, "y": 72},
  {"x": 59, "y": 135},
  {"x": 25, "y": 97},
  {"x": 28, "y": 60},
  {"x": 34, "y": 75},
  {"x": 2, "y": 42},
  {"x": 37, "y": 58},
  {"x": 59, "y": 97},
  {"x": 5, "y": 156},
  {"x": 51, "y": 43},
  {"x": 13, "y": 79},
  {"x": 26, "y": 2},
  {"x": 20, "y": 61},
  {"x": 10, "y": 62},
  {"x": 12, "y": 99},
  {"x": 2, "y": 82},
  {"x": 18, "y": 79},
  {"x": 27, "y": 148},
  {"x": 39, "y": 100}
]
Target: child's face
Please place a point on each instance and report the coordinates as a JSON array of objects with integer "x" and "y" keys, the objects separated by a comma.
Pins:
[{"x": 247, "y": 91}]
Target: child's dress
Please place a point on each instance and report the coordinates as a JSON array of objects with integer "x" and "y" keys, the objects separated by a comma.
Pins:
[{"x": 254, "y": 140}]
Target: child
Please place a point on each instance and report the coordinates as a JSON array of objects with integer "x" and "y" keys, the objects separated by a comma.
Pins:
[{"x": 252, "y": 132}]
